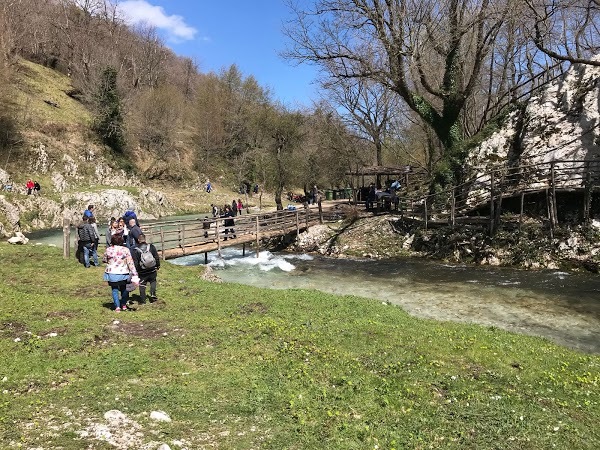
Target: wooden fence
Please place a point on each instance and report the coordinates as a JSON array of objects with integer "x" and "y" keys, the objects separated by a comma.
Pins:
[{"x": 185, "y": 237}]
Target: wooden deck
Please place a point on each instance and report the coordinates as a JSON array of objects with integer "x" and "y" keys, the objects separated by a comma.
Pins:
[{"x": 174, "y": 239}]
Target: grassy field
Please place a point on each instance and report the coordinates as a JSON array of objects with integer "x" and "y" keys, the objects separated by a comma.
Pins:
[{"x": 236, "y": 367}]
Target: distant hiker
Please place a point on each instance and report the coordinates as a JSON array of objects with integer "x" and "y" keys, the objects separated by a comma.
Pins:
[
  {"x": 206, "y": 226},
  {"x": 36, "y": 188},
  {"x": 314, "y": 194},
  {"x": 120, "y": 269},
  {"x": 29, "y": 186},
  {"x": 208, "y": 186},
  {"x": 87, "y": 237},
  {"x": 255, "y": 190},
  {"x": 147, "y": 263},
  {"x": 89, "y": 212},
  {"x": 240, "y": 206},
  {"x": 215, "y": 210},
  {"x": 371, "y": 197},
  {"x": 234, "y": 208}
]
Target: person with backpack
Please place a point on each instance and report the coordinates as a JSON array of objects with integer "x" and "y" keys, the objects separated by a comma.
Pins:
[
  {"x": 86, "y": 239},
  {"x": 147, "y": 263}
]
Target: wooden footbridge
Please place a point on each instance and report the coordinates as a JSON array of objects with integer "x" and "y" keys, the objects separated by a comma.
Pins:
[
  {"x": 178, "y": 238},
  {"x": 483, "y": 197}
]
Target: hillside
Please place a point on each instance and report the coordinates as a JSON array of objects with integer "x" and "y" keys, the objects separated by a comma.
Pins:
[{"x": 58, "y": 149}]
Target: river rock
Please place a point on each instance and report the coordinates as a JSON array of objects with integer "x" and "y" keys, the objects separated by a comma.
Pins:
[{"x": 18, "y": 238}]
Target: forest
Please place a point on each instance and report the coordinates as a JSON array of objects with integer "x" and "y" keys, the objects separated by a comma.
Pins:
[{"x": 403, "y": 82}]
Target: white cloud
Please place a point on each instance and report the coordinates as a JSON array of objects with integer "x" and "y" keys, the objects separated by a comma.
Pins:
[{"x": 141, "y": 12}]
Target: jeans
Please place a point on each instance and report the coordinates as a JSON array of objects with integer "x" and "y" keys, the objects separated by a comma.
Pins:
[
  {"x": 121, "y": 287},
  {"x": 87, "y": 249}
]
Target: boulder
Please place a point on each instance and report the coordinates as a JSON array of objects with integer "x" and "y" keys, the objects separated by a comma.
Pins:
[{"x": 19, "y": 238}]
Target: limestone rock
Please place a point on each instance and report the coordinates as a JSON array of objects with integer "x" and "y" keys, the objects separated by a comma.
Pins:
[
  {"x": 18, "y": 238},
  {"x": 114, "y": 415},
  {"x": 160, "y": 416}
]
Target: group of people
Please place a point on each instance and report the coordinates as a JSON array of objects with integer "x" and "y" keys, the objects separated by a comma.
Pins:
[
  {"x": 389, "y": 196},
  {"x": 130, "y": 260},
  {"x": 33, "y": 187}
]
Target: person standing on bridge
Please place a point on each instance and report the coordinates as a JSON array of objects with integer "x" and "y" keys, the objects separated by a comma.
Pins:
[{"x": 228, "y": 222}]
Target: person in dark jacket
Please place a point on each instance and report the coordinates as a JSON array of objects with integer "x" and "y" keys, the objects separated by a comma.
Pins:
[
  {"x": 146, "y": 274},
  {"x": 87, "y": 240},
  {"x": 134, "y": 234},
  {"x": 228, "y": 222}
]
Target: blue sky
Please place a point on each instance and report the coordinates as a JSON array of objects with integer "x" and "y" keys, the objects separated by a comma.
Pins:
[{"x": 220, "y": 33}]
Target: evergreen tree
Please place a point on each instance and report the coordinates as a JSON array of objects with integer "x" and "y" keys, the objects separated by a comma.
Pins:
[{"x": 108, "y": 122}]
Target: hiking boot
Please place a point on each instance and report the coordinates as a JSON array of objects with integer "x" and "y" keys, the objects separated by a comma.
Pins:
[
  {"x": 123, "y": 308},
  {"x": 117, "y": 309},
  {"x": 153, "y": 298}
]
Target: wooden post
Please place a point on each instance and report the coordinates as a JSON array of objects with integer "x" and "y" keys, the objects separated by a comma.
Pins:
[
  {"x": 425, "y": 213},
  {"x": 244, "y": 249},
  {"x": 453, "y": 210},
  {"x": 521, "y": 213},
  {"x": 162, "y": 243},
  {"x": 553, "y": 185},
  {"x": 218, "y": 237},
  {"x": 587, "y": 191},
  {"x": 549, "y": 212},
  {"x": 297, "y": 224},
  {"x": 491, "y": 203},
  {"x": 183, "y": 237},
  {"x": 257, "y": 238},
  {"x": 205, "y": 257},
  {"x": 307, "y": 217},
  {"x": 320, "y": 213},
  {"x": 66, "y": 238}
]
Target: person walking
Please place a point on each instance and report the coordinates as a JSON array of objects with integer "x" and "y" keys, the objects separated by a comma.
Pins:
[
  {"x": 208, "y": 186},
  {"x": 120, "y": 269},
  {"x": 240, "y": 206},
  {"x": 234, "y": 208},
  {"x": 147, "y": 263},
  {"x": 87, "y": 238}
]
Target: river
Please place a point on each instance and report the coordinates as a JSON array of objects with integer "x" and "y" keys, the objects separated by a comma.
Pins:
[{"x": 561, "y": 306}]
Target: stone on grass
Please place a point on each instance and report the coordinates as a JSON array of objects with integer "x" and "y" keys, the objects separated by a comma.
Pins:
[
  {"x": 114, "y": 415},
  {"x": 18, "y": 238},
  {"x": 160, "y": 416}
]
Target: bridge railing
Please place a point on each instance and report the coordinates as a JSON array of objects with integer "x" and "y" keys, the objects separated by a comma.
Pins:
[
  {"x": 185, "y": 234},
  {"x": 491, "y": 186}
]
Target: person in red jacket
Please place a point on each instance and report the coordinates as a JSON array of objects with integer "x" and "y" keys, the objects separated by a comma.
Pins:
[{"x": 29, "y": 186}]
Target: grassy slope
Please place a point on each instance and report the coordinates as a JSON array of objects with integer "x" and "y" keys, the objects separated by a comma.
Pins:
[{"x": 238, "y": 367}]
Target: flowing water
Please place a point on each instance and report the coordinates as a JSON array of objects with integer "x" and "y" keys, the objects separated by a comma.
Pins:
[{"x": 561, "y": 306}]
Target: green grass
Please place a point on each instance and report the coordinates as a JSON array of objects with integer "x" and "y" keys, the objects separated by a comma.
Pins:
[
  {"x": 239, "y": 367},
  {"x": 36, "y": 84}
]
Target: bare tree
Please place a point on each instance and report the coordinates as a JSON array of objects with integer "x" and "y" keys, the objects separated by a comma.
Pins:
[
  {"x": 429, "y": 52},
  {"x": 566, "y": 30},
  {"x": 367, "y": 107}
]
